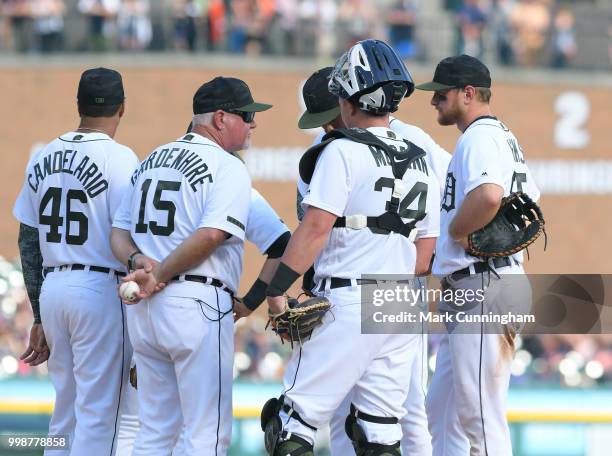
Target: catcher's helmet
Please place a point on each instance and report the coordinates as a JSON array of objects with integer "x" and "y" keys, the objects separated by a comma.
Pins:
[{"x": 371, "y": 74}]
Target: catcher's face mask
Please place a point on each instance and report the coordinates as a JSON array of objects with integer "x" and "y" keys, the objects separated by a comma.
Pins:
[{"x": 372, "y": 74}]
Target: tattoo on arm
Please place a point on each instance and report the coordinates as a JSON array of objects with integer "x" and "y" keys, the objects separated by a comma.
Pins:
[
  {"x": 31, "y": 263},
  {"x": 298, "y": 206}
]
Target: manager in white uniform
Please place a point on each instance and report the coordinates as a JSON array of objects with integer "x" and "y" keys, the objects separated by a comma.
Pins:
[{"x": 188, "y": 211}]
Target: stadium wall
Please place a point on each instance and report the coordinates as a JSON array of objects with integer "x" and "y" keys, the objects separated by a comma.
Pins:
[{"x": 562, "y": 123}]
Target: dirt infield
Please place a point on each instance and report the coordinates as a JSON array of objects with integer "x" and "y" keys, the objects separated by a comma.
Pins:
[{"x": 40, "y": 104}]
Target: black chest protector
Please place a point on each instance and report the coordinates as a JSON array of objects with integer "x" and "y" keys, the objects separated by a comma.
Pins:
[{"x": 400, "y": 161}]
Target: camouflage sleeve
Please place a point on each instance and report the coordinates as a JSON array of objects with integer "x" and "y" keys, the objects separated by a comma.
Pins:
[
  {"x": 298, "y": 208},
  {"x": 31, "y": 264}
]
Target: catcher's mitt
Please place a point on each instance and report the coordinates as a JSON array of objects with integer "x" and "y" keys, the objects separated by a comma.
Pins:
[
  {"x": 300, "y": 319},
  {"x": 517, "y": 224}
]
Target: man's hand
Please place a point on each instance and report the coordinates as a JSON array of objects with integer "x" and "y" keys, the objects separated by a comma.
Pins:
[
  {"x": 463, "y": 242},
  {"x": 141, "y": 261},
  {"x": 276, "y": 305},
  {"x": 240, "y": 310},
  {"x": 146, "y": 280},
  {"x": 38, "y": 350}
]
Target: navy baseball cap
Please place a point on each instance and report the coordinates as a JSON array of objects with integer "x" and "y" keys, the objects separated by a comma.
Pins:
[
  {"x": 226, "y": 94},
  {"x": 458, "y": 71},
  {"x": 321, "y": 106},
  {"x": 100, "y": 87}
]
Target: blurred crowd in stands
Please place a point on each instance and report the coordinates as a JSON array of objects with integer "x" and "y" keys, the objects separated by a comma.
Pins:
[
  {"x": 564, "y": 360},
  {"x": 523, "y": 31},
  {"x": 513, "y": 32}
]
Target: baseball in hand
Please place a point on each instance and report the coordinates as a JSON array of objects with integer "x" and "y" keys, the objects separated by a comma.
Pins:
[{"x": 129, "y": 291}]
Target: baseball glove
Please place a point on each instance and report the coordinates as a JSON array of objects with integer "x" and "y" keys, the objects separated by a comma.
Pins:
[
  {"x": 299, "y": 320},
  {"x": 517, "y": 224}
]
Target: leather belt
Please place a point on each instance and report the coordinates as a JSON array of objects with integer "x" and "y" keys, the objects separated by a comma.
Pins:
[
  {"x": 81, "y": 267},
  {"x": 481, "y": 266},
  {"x": 204, "y": 280},
  {"x": 336, "y": 282}
]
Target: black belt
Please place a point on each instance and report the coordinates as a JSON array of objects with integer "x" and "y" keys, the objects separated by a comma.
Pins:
[
  {"x": 205, "y": 280},
  {"x": 482, "y": 266},
  {"x": 81, "y": 267},
  {"x": 336, "y": 282}
]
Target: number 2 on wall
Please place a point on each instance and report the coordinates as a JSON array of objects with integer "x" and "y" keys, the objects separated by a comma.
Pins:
[{"x": 573, "y": 109}]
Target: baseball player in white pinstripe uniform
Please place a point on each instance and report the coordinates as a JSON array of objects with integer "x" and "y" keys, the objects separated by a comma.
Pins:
[
  {"x": 322, "y": 110},
  {"x": 73, "y": 187},
  {"x": 188, "y": 211},
  {"x": 466, "y": 402},
  {"x": 268, "y": 232},
  {"x": 348, "y": 180}
]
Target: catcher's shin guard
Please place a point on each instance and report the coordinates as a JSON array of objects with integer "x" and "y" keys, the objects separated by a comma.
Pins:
[
  {"x": 271, "y": 424},
  {"x": 277, "y": 441},
  {"x": 292, "y": 445},
  {"x": 358, "y": 437}
]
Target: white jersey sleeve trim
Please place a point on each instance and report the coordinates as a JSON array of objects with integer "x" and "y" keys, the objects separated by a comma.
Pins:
[
  {"x": 264, "y": 226},
  {"x": 326, "y": 207},
  {"x": 122, "y": 224},
  {"x": 229, "y": 201},
  {"x": 230, "y": 227},
  {"x": 22, "y": 218},
  {"x": 24, "y": 210},
  {"x": 431, "y": 234},
  {"x": 480, "y": 182}
]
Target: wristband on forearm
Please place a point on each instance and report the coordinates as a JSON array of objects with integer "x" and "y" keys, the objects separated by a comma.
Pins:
[
  {"x": 282, "y": 280},
  {"x": 131, "y": 263},
  {"x": 255, "y": 295}
]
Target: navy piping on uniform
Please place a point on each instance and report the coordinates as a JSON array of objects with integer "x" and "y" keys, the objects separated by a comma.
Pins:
[
  {"x": 219, "y": 370},
  {"x": 297, "y": 369},
  {"x": 423, "y": 358},
  {"x": 121, "y": 378},
  {"x": 484, "y": 433},
  {"x": 199, "y": 144},
  {"x": 89, "y": 140},
  {"x": 401, "y": 141},
  {"x": 480, "y": 118}
]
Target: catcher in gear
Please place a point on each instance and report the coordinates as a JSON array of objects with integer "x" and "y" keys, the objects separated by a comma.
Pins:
[
  {"x": 361, "y": 173},
  {"x": 488, "y": 216},
  {"x": 323, "y": 110}
]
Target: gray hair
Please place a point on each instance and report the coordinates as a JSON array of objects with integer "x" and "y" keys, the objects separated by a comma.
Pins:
[{"x": 203, "y": 119}]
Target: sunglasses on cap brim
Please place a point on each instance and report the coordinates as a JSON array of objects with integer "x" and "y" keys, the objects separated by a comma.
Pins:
[{"x": 441, "y": 95}]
